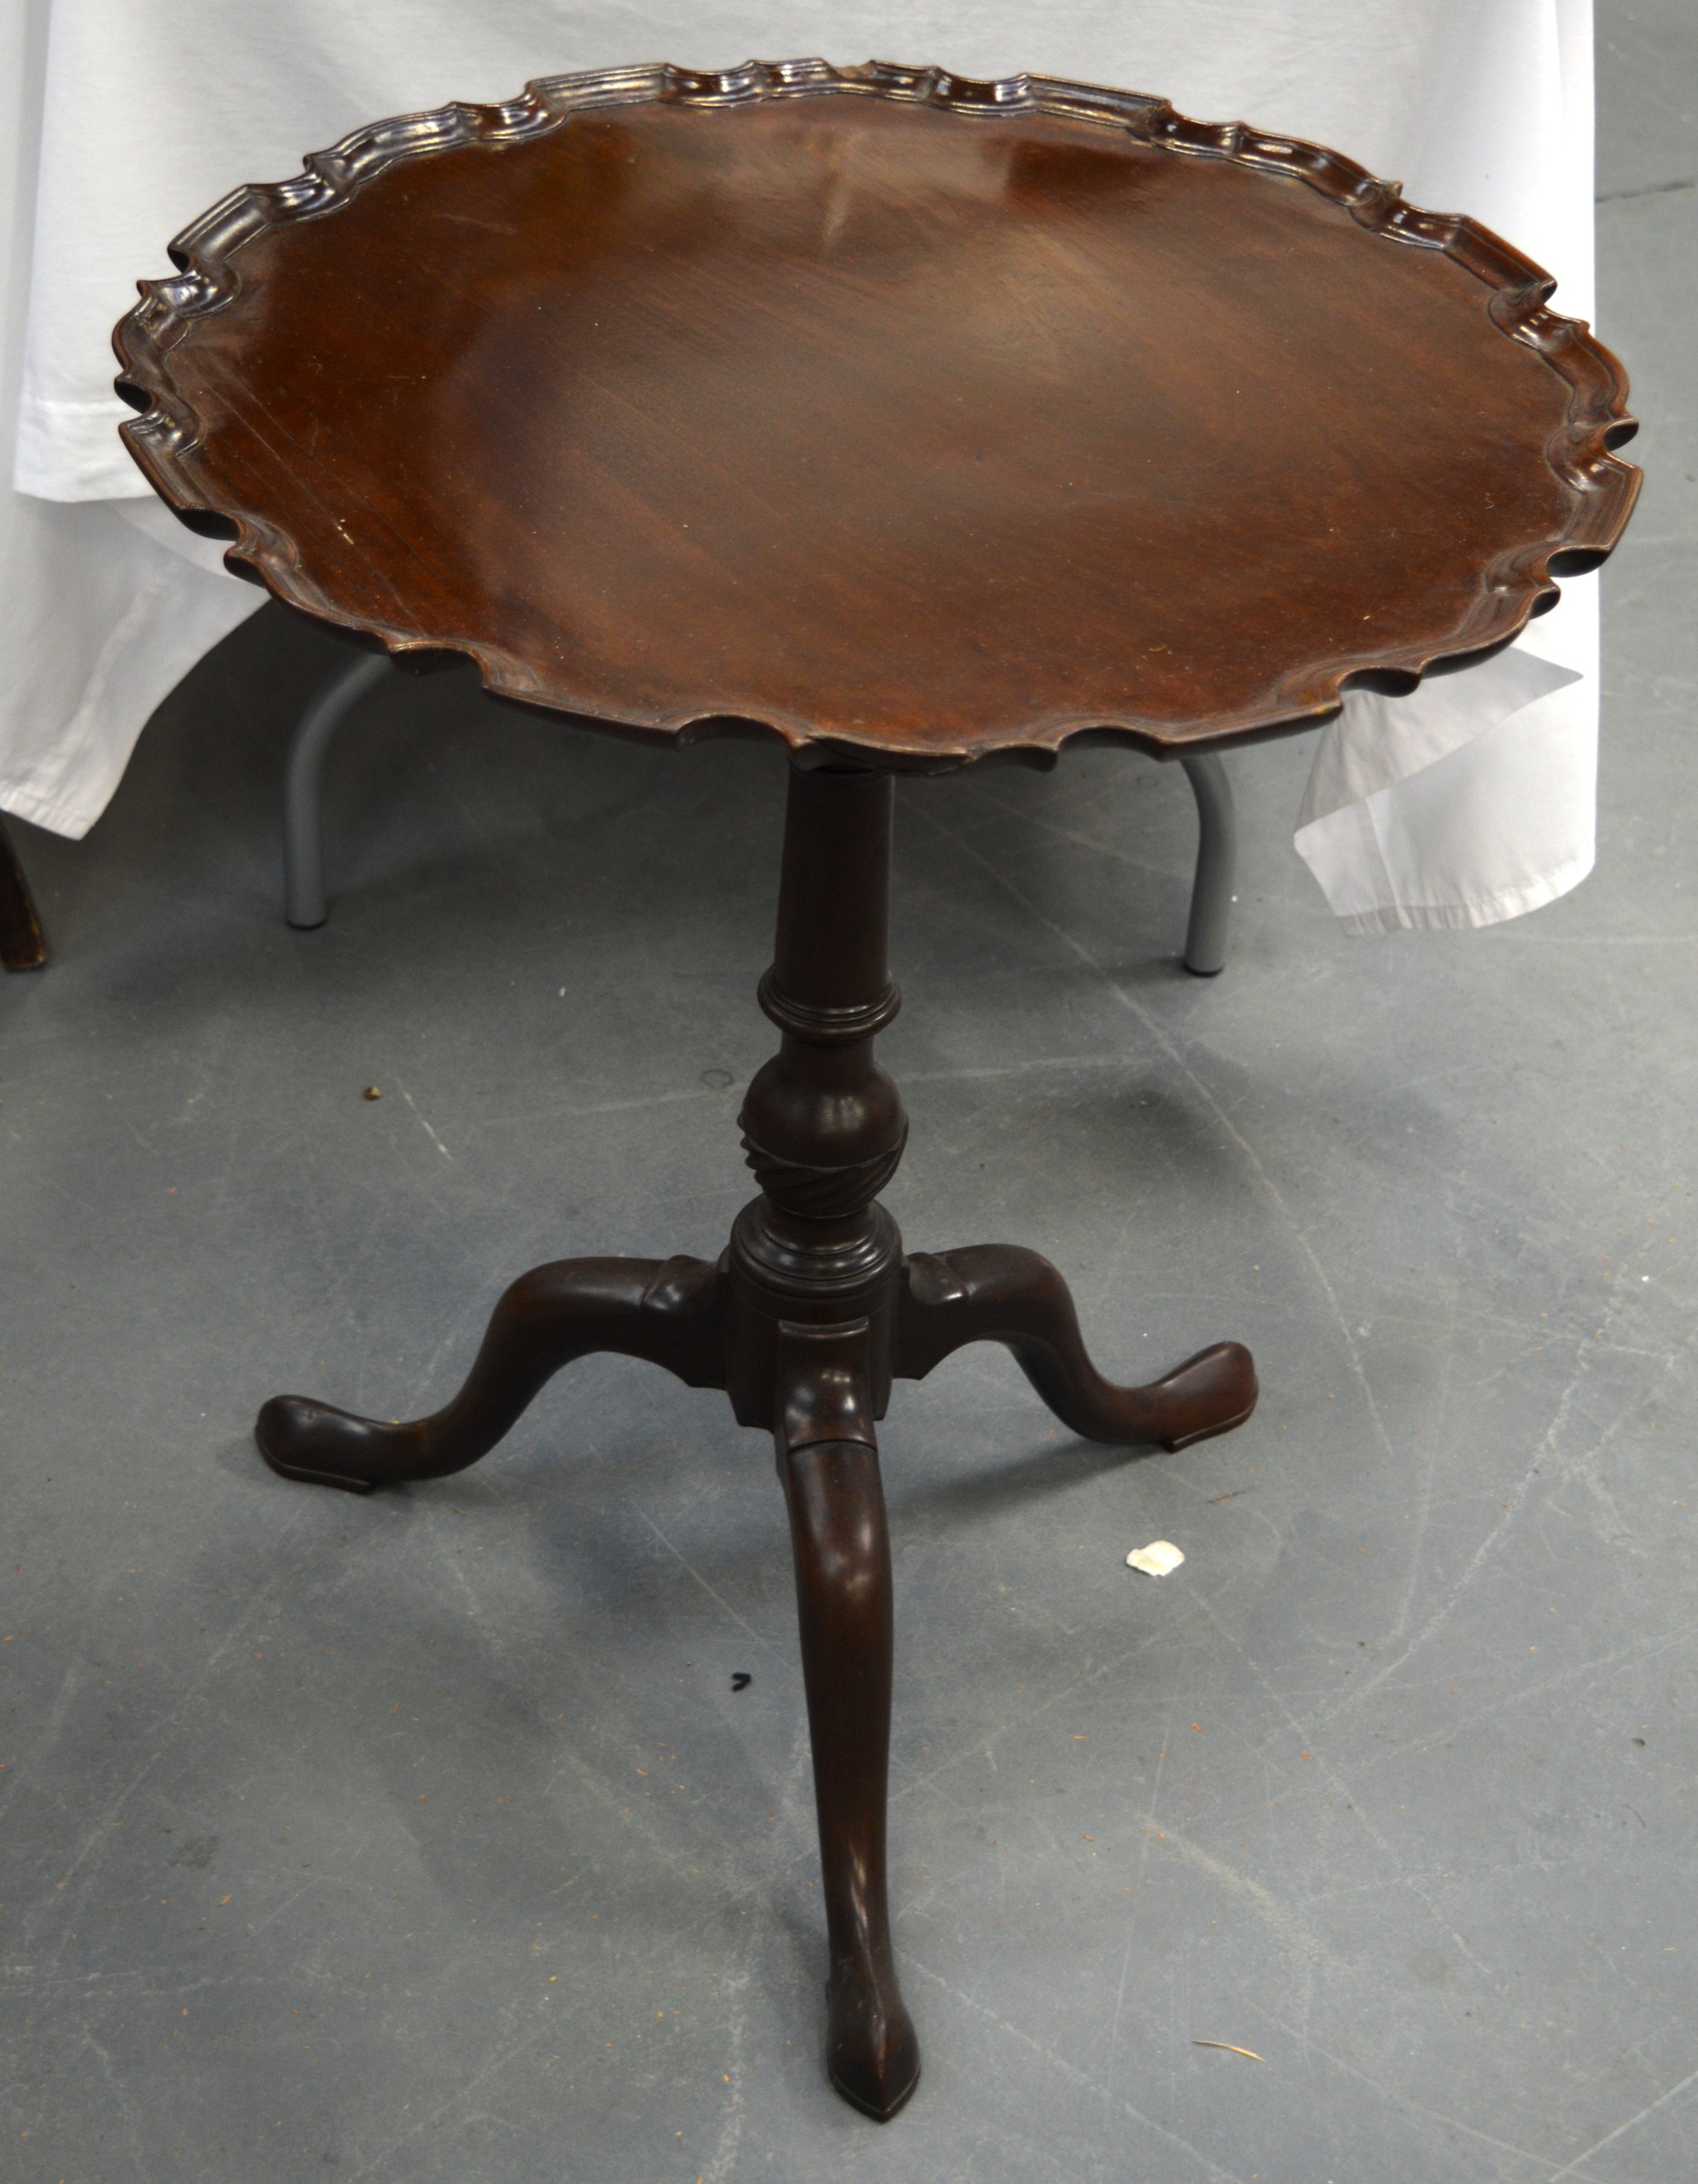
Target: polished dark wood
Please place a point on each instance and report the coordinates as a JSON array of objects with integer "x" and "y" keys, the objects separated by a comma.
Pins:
[
  {"x": 877, "y": 410},
  {"x": 842, "y": 1550},
  {"x": 21, "y": 945},
  {"x": 911, "y": 422},
  {"x": 806, "y": 1321},
  {"x": 665, "y": 1311},
  {"x": 997, "y": 1292}
]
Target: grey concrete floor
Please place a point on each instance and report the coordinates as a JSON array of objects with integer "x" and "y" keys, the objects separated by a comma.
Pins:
[{"x": 424, "y": 1837}]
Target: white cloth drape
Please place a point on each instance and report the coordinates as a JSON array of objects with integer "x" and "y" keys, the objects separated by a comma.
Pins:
[{"x": 1470, "y": 801}]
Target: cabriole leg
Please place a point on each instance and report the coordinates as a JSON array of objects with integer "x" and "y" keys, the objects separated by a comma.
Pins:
[
  {"x": 665, "y": 1311},
  {"x": 842, "y": 1551},
  {"x": 997, "y": 1292}
]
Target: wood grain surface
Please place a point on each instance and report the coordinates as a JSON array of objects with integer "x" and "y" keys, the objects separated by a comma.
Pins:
[{"x": 879, "y": 411}]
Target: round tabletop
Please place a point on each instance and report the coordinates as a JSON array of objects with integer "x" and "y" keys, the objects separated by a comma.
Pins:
[{"x": 883, "y": 412}]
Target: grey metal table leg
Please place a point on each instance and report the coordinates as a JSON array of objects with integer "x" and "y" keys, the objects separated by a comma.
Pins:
[
  {"x": 1216, "y": 866},
  {"x": 304, "y": 902}
]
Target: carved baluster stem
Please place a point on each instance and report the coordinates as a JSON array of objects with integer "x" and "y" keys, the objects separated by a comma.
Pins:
[{"x": 823, "y": 1123}]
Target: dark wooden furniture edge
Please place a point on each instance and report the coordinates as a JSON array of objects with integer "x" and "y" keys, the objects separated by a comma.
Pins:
[
  {"x": 21, "y": 945},
  {"x": 1516, "y": 585}
]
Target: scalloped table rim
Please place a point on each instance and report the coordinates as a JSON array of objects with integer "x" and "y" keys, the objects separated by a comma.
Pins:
[{"x": 1517, "y": 584}]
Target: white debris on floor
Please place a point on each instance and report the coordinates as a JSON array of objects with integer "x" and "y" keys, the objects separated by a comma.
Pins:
[{"x": 1156, "y": 1560}]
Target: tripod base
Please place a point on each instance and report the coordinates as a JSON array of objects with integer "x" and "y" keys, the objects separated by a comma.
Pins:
[
  {"x": 692, "y": 1317},
  {"x": 810, "y": 1314},
  {"x": 672, "y": 1312}
]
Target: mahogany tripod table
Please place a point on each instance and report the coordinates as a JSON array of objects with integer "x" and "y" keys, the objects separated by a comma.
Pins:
[{"x": 911, "y": 422}]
